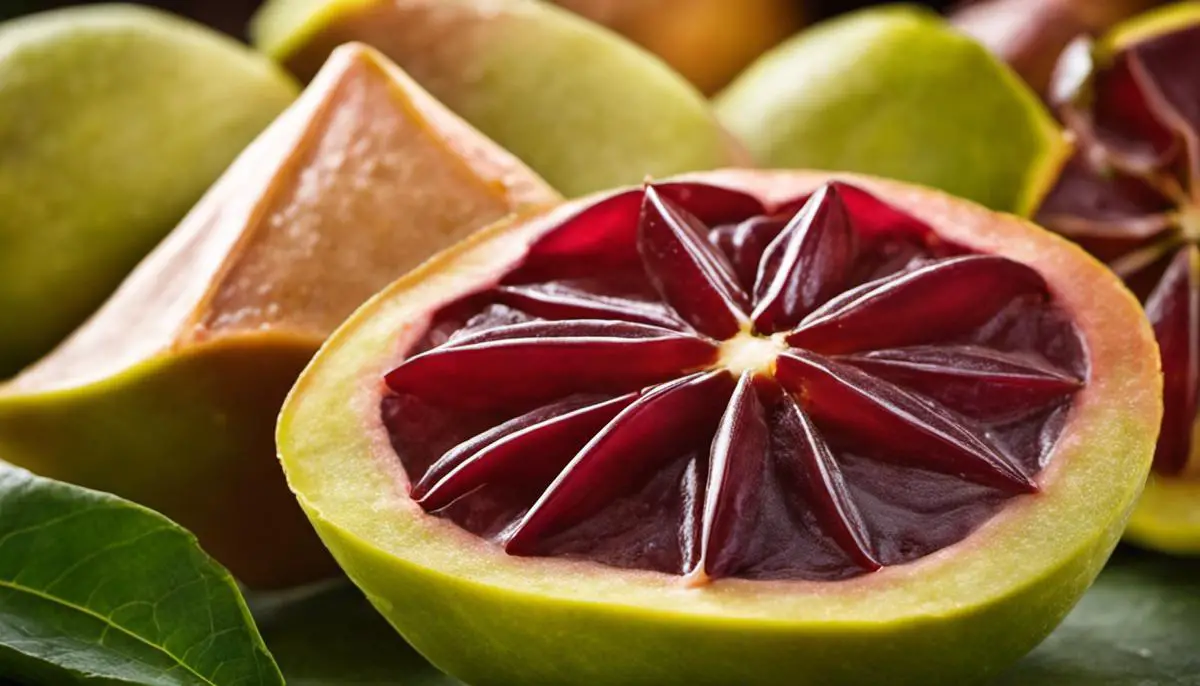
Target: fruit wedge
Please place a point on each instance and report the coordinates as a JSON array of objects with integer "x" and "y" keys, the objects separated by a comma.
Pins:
[
  {"x": 113, "y": 122},
  {"x": 582, "y": 107},
  {"x": 168, "y": 395},
  {"x": 1130, "y": 194},
  {"x": 894, "y": 91},
  {"x": 735, "y": 428}
]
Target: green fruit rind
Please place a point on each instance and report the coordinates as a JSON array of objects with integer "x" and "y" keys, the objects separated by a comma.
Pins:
[
  {"x": 113, "y": 121},
  {"x": 958, "y": 616},
  {"x": 580, "y": 105},
  {"x": 898, "y": 93},
  {"x": 1150, "y": 24},
  {"x": 1168, "y": 517},
  {"x": 165, "y": 430}
]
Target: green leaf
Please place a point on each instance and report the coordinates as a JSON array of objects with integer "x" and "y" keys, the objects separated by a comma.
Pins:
[
  {"x": 1138, "y": 626},
  {"x": 331, "y": 636},
  {"x": 95, "y": 588}
]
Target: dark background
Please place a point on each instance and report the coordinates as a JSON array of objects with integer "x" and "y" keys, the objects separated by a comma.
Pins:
[{"x": 231, "y": 16}]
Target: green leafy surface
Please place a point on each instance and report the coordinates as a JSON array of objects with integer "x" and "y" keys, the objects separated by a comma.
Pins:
[
  {"x": 331, "y": 636},
  {"x": 1138, "y": 626},
  {"x": 97, "y": 590}
]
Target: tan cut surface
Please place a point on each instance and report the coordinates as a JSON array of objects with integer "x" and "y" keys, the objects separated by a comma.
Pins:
[{"x": 360, "y": 181}]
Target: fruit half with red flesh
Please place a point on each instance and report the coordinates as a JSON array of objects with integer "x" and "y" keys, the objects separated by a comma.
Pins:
[
  {"x": 596, "y": 447},
  {"x": 1131, "y": 195}
]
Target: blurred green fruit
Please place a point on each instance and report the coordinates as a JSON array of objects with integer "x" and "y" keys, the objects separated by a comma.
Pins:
[
  {"x": 896, "y": 92},
  {"x": 583, "y": 107},
  {"x": 113, "y": 121}
]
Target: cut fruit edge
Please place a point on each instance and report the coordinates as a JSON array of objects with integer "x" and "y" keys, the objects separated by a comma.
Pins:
[{"x": 330, "y": 425}]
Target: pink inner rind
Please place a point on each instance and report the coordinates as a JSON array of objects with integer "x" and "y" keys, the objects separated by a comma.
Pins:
[{"x": 679, "y": 480}]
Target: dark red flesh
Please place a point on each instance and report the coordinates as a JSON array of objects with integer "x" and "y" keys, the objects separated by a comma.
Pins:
[
  {"x": 585, "y": 406},
  {"x": 1131, "y": 196}
]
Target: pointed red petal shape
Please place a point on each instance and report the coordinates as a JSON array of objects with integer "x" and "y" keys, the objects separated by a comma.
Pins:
[
  {"x": 932, "y": 303},
  {"x": 891, "y": 423},
  {"x": 744, "y": 244},
  {"x": 555, "y": 300},
  {"x": 539, "y": 361},
  {"x": 603, "y": 235},
  {"x": 812, "y": 469},
  {"x": 1108, "y": 212},
  {"x": 1174, "y": 310},
  {"x": 1109, "y": 107},
  {"x": 737, "y": 463},
  {"x": 805, "y": 265},
  {"x": 691, "y": 275},
  {"x": 532, "y": 448},
  {"x": 874, "y": 219},
  {"x": 979, "y": 382},
  {"x": 661, "y": 425},
  {"x": 1165, "y": 66}
]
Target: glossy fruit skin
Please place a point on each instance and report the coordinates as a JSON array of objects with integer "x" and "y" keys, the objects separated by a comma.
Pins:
[
  {"x": 959, "y": 616},
  {"x": 618, "y": 115},
  {"x": 93, "y": 175},
  {"x": 994, "y": 140}
]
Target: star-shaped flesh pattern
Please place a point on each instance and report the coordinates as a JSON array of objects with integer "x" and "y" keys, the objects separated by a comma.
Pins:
[
  {"x": 1131, "y": 196},
  {"x": 682, "y": 380}
]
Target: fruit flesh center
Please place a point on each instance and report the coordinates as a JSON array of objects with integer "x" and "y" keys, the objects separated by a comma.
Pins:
[
  {"x": 681, "y": 380},
  {"x": 1131, "y": 196},
  {"x": 747, "y": 352}
]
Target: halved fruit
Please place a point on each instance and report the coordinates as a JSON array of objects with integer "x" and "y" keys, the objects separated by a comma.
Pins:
[
  {"x": 1130, "y": 194},
  {"x": 897, "y": 92},
  {"x": 169, "y": 394},
  {"x": 794, "y": 428},
  {"x": 583, "y": 107},
  {"x": 113, "y": 122}
]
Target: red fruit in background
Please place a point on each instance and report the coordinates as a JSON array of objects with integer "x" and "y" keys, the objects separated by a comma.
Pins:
[{"x": 1131, "y": 195}]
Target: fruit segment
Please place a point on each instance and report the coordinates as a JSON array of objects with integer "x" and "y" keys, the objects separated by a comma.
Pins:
[
  {"x": 736, "y": 467},
  {"x": 977, "y": 381},
  {"x": 537, "y": 361},
  {"x": 768, "y": 428},
  {"x": 1174, "y": 310},
  {"x": 561, "y": 300},
  {"x": 693, "y": 278},
  {"x": 808, "y": 462},
  {"x": 1131, "y": 193},
  {"x": 806, "y": 264},
  {"x": 636, "y": 442},
  {"x": 933, "y": 302},
  {"x": 533, "y": 448},
  {"x": 885, "y": 420}
]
